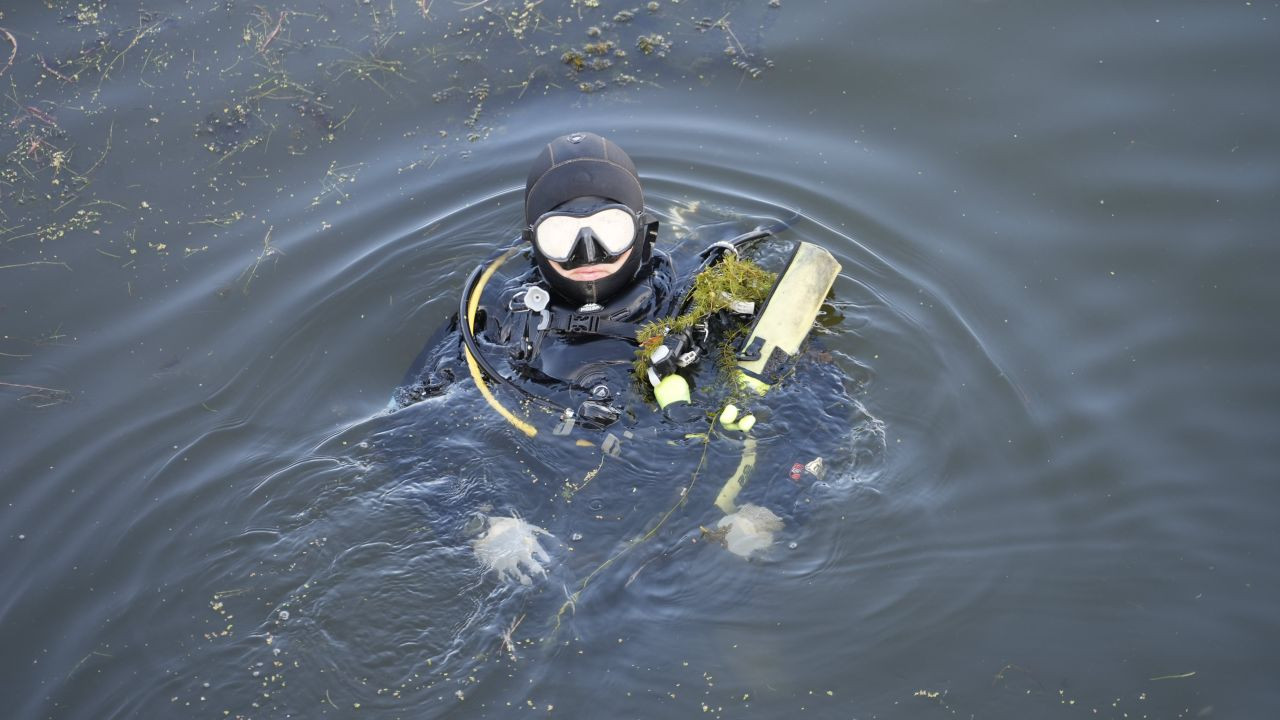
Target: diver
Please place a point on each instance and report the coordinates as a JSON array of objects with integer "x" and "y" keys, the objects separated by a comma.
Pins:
[
  {"x": 567, "y": 326},
  {"x": 565, "y": 331}
]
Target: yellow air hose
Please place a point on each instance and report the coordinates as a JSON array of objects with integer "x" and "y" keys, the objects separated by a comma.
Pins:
[{"x": 473, "y": 303}]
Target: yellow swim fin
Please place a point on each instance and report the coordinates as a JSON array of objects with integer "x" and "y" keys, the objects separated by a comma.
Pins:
[{"x": 787, "y": 316}]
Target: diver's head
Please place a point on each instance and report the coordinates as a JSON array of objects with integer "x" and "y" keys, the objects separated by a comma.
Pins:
[{"x": 584, "y": 214}]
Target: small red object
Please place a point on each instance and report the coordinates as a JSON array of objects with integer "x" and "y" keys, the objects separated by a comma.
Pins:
[{"x": 797, "y": 471}]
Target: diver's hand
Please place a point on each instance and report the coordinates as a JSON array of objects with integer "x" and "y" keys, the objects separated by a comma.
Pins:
[
  {"x": 749, "y": 529},
  {"x": 510, "y": 546}
]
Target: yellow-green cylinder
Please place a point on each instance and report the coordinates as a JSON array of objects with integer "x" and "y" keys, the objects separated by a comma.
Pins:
[{"x": 671, "y": 389}]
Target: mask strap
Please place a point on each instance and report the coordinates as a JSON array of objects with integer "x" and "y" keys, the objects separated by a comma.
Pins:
[{"x": 650, "y": 235}]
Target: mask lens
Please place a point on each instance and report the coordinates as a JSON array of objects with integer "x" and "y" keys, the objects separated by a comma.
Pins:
[
  {"x": 555, "y": 235},
  {"x": 614, "y": 228}
]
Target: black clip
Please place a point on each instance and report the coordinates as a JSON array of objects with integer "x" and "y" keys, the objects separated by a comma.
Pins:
[
  {"x": 752, "y": 350},
  {"x": 579, "y": 323}
]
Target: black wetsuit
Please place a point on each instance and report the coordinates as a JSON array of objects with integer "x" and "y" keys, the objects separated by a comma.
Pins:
[{"x": 582, "y": 353}]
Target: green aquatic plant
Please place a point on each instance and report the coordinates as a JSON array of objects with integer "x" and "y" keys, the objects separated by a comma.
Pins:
[
  {"x": 720, "y": 287},
  {"x": 574, "y": 59},
  {"x": 653, "y": 44}
]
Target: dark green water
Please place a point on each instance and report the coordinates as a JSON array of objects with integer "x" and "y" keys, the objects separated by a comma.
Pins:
[{"x": 225, "y": 231}]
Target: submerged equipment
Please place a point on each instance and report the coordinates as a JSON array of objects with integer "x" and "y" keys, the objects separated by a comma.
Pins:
[{"x": 782, "y": 324}]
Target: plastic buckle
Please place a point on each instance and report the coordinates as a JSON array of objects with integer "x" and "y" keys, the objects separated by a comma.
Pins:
[
  {"x": 565, "y": 426},
  {"x": 579, "y": 323}
]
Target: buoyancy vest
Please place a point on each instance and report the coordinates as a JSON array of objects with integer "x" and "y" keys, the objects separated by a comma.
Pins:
[{"x": 574, "y": 353}]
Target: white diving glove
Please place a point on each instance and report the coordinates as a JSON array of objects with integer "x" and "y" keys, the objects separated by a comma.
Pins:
[
  {"x": 510, "y": 547},
  {"x": 748, "y": 529}
]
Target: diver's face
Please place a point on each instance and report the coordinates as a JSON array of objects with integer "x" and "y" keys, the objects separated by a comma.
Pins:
[{"x": 592, "y": 272}]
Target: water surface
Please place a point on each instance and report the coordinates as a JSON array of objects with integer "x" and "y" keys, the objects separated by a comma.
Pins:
[{"x": 226, "y": 230}]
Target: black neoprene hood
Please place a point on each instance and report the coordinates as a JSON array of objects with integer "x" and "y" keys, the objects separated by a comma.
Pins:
[
  {"x": 578, "y": 165},
  {"x": 582, "y": 165}
]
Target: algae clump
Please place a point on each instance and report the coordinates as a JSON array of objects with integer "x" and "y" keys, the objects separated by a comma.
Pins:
[{"x": 716, "y": 289}]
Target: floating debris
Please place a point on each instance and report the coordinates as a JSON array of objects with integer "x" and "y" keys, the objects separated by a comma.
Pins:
[
  {"x": 574, "y": 59},
  {"x": 229, "y": 129},
  {"x": 653, "y": 44}
]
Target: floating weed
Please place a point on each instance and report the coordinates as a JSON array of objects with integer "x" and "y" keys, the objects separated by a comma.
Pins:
[
  {"x": 334, "y": 179},
  {"x": 90, "y": 58},
  {"x": 520, "y": 20},
  {"x": 653, "y": 44},
  {"x": 574, "y": 59},
  {"x": 739, "y": 57},
  {"x": 714, "y": 290},
  {"x": 276, "y": 84},
  {"x": 38, "y": 396},
  {"x": 594, "y": 56},
  {"x": 264, "y": 38},
  {"x": 477, "y": 95},
  {"x": 155, "y": 62},
  {"x": 86, "y": 14},
  {"x": 446, "y": 94},
  {"x": 13, "y": 51},
  {"x": 140, "y": 32},
  {"x": 316, "y": 110},
  {"x": 230, "y": 129},
  {"x": 81, "y": 219},
  {"x": 371, "y": 68},
  {"x": 1014, "y": 681},
  {"x": 268, "y": 251},
  {"x": 219, "y": 221}
]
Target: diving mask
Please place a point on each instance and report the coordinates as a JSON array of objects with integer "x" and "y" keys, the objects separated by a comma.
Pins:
[{"x": 577, "y": 233}]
